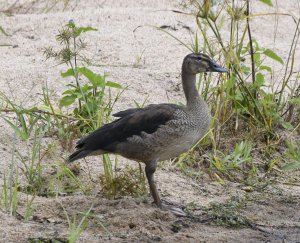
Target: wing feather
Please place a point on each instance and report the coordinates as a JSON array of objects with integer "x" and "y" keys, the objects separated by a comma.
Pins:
[{"x": 132, "y": 122}]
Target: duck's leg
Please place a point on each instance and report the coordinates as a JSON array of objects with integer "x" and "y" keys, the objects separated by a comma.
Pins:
[{"x": 150, "y": 169}]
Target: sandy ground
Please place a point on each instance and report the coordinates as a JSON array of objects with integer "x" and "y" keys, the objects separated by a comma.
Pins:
[{"x": 24, "y": 72}]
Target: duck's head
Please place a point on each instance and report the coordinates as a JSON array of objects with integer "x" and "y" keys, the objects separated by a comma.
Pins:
[{"x": 198, "y": 62}]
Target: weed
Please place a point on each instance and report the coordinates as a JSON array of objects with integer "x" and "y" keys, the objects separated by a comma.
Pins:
[
  {"x": 293, "y": 155},
  {"x": 92, "y": 110},
  {"x": 245, "y": 99},
  {"x": 139, "y": 60},
  {"x": 76, "y": 229},
  {"x": 235, "y": 160},
  {"x": 20, "y": 126},
  {"x": 2, "y": 31},
  {"x": 43, "y": 6},
  {"x": 247, "y": 103},
  {"x": 91, "y": 101},
  {"x": 190, "y": 165},
  {"x": 32, "y": 169},
  {"x": 64, "y": 181},
  {"x": 30, "y": 207},
  {"x": 229, "y": 213},
  {"x": 100, "y": 221},
  {"x": 129, "y": 181},
  {"x": 9, "y": 198}
]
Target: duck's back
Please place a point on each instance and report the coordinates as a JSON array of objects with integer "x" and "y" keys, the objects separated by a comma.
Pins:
[
  {"x": 182, "y": 130},
  {"x": 156, "y": 132}
]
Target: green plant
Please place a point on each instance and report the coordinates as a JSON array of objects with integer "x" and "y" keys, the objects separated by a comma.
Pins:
[
  {"x": 245, "y": 93},
  {"x": 9, "y": 198},
  {"x": 100, "y": 221},
  {"x": 32, "y": 169},
  {"x": 235, "y": 161},
  {"x": 129, "y": 181},
  {"x": 92, "y": 108},
  {"x": 64, "y": 181},
  {"x": 33, "y": 5},
  {"x": 293, "y": 155},
  {"x": 250, "y": 102},
  {"x": 2, "y": 31},
  {"x": 230, "y": 213},
  {"x": 240, "y": 155},
  {"x": 30, "y": 207},
  {"x": 90, "y": 99},
  {"x": 76, "y": 229},
  {"x": 25, "y": 122}
]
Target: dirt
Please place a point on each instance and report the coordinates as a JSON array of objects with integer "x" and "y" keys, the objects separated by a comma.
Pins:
[{"x": 148, "y": 62}]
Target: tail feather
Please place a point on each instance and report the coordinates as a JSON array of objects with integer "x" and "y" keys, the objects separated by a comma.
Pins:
[{"x": 78, "y": 154}]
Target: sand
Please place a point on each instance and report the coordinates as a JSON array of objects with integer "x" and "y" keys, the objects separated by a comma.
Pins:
[{"x": 148, "y": 62}]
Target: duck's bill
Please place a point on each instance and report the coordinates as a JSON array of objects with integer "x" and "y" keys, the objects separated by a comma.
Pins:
[{"x": 214, "y": 67}]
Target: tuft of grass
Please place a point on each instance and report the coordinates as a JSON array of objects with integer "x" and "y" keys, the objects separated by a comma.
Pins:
[
  {"x": 9, "y": 196},
  {"x": 24, "y": 122},
  {"x": 129, "y": 181},
  {"x": 31, "y": 166},
  {"x": 237, "y": 160},
  {"x": 35, "y": 5},
  {"x": 64, "y": 181},
  {"x": 76, "y": 228}
]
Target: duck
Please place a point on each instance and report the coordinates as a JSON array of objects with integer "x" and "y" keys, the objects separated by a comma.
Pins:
[{"x": 156, "y": 132}]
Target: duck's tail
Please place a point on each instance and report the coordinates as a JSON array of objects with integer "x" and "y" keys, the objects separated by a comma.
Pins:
[{"x": 78, "y": 154}]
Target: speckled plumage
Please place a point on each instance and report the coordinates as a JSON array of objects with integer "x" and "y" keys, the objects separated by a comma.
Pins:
[
  {"x": 156, "y": 132},
  {"x": 181, "y": 132}
]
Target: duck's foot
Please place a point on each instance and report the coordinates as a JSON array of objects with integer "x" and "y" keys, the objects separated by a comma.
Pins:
[{"x": 176, "y": 209}]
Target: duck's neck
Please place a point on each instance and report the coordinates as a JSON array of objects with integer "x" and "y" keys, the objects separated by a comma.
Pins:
[{"x": 190, "y": 91}]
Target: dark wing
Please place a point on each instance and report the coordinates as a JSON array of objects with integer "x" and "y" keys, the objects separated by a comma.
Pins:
[
  {"x": 126, "y": 112},
  {"x": 133, "y": 110},
  {"x": 132, "y": 122}
]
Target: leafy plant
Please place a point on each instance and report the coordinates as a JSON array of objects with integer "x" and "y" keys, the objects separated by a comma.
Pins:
[
  {"x": 248, "y": 102},
  {"x": 226, "y": 164},
  {"x": 92, "y": 109},
  {"x": 245, "y": 93},
  {"x": 293, "y": 155}
]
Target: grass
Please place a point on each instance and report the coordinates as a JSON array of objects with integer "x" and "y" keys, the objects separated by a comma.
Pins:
[
  {"x": 293, "y": 156},
  {"x": 76, "y": 229},
  {"x": 35, "y": 5},
  {"x": 127, "y": 182},
  {"x": 229, "y": 214},
  {"x": 82, "y": 108},
  {"x": 246, "y": 104}
]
